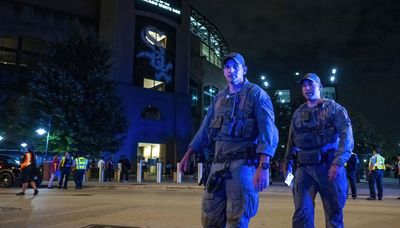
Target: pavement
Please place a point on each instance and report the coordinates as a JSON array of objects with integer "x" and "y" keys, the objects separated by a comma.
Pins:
[
  {"x": 390, "y": 185},
  {"x": 168, "y": 204}
]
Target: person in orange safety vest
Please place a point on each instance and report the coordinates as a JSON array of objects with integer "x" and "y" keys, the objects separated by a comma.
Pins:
[{"x": 28, "y": 167}]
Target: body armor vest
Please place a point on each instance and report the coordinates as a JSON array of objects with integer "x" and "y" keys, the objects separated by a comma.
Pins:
[
  {"x": 314, "y": 129},
  {"x": 234, "y": 117}
]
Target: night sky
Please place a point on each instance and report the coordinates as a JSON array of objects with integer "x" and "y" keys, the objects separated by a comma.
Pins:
[{"x": 361, "y": 39}]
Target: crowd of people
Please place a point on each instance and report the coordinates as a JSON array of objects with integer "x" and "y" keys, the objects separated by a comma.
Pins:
[{"x": 62, "y": 166}]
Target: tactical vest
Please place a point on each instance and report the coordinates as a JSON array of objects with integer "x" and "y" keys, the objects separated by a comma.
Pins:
[
  {"x": 313, "y": 128},
  {"x": 81, "y": 163},
  {"x": 234, "y": 117},
  {"x": 66, "y": 162}
]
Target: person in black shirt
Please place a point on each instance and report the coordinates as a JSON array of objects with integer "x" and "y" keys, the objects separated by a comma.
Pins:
[
  {"x": 125, "y": 168},
  {"x": 351, "y": 169}
]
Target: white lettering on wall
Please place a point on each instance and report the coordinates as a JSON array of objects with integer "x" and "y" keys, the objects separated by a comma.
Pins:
[{"x": 163, "y": 5}]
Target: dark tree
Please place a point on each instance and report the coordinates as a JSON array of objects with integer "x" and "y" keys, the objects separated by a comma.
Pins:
[
  {"x": 72, "y": 87},
  {"x": 365, "y": 136}
]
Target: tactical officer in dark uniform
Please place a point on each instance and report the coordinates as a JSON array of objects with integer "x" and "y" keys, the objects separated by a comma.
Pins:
[
  {"x": 320, "y": 142},
  {"x": 240, "y": 126},
  {"x": 351, "y": 169}
]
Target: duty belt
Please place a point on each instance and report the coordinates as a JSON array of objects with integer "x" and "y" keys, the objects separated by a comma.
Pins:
[
  {"x": 312, "y": 157},
  {"x": 222, "y": 158}
]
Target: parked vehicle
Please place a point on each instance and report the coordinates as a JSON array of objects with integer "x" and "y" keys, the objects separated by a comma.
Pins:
[{"x": 10, "y": 171}]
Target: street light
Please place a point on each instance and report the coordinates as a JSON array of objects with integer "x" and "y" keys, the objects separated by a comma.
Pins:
[
  {"x": 42, "y": 131},
  {"x": 1, "y": 138},
  {"x": 333, "y": 76},
  {"x": 264, "y": 81},
  {"x": 297, "y": 73},
  {"x": 24, "y": 145}
]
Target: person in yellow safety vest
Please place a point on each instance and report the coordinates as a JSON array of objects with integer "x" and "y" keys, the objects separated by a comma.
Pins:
[
  {"x": 376, "y": 167},
  {"x": 81, "y": 165},
  {"x": 28, "y": 167}
]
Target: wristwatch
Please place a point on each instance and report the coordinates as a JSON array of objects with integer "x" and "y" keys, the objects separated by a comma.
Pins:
[{"x": 264, "y": 165}]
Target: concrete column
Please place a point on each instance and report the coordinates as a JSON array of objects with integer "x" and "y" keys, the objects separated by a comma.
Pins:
[{"x": 116, "y": 27}]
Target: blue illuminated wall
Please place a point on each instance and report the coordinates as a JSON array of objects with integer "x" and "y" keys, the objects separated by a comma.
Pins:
[{"x": 121, "y": 23}]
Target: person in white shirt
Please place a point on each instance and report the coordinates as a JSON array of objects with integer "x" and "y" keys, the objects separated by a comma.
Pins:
[{"x": 101, "y": 165}]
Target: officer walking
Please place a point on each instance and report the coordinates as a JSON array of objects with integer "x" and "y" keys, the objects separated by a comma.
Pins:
[
  {"x": 320, "y": 142},
  {"x": 65, "y": 170},
  {"x": 351, "y": 169},
  {"x": 376, "y": 168},
  {"x": 239, "y": 125},
  {"x": 81, "y": 164}
]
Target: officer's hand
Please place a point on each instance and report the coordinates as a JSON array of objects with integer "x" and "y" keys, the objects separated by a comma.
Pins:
[
  {"x": 183, "y": 164},
  {"x": 333, "y": 172},
  {"x": 261, "y": 179}
]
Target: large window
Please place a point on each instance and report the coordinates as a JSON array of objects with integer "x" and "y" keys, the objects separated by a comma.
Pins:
[
  {"x": 21, "y": 51},
  {"x": 213, "y": 45},
  {"x": 18, "y": 55},
  {"x": 208, "y": 96},
  {"x": 210, "y": 55},
  {"x": 153, "y": 84}
]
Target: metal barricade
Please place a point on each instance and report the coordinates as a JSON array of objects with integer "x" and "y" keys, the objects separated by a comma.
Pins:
[
  {"x": 199, "y": 172},
  {"x": 178, "y": 174},
  {"x": 139, "y": 172}
]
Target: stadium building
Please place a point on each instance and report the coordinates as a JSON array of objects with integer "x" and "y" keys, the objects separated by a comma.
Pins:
[{"x": 167, "y": 62}]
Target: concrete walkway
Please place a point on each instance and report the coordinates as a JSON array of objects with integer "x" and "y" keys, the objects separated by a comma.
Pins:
[
  {"x": 169, "y": 204},
  {"x": 390, "y": 186}
]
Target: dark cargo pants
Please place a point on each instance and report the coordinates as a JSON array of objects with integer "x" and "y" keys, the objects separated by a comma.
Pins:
[
  {"x": 376, "y": 178},
  {"x": 311, "y": 179},
  {"x": 351, "y": 175},
  {"x": 235, "y": 203}
]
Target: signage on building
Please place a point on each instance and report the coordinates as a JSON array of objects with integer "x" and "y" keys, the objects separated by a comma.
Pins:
[
  {"x": 168, "y": 8},
  {"x": 155, "y": 40},
  {"x": 155, "y": 46}
]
